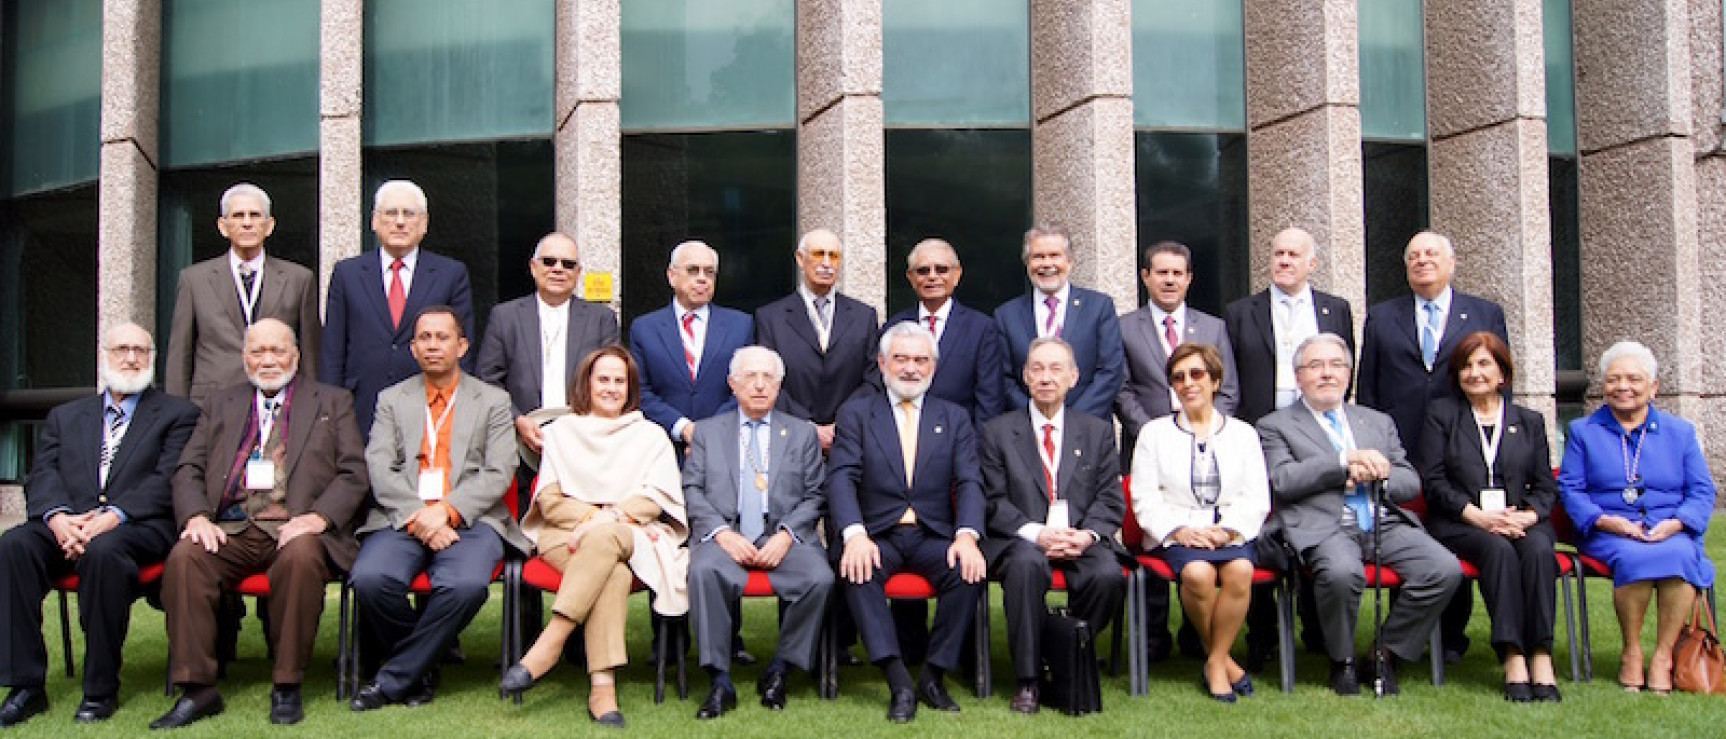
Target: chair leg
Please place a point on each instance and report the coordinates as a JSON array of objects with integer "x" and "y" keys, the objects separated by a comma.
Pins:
[
  {"x": 682, "y": 657},
  {"x": 1115, "y": 642},
  {"x": 1436, "y": 646},
  {"x": 343, "y": 645},
  {"x": 1582, "y": 607},
  {"x": 659, "y": 664},
  {"x": 1287, "y": 586},
  {"x": 1570, "y": 627},
  {"x": 1136, "y": 667},
  {"x": 981, "y": 628},
  {"x": 829, "y": 683},
  {"x": 66, "y": 632}
]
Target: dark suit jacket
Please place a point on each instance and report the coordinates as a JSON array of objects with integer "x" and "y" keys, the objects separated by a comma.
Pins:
[
  {"x": 1095, "y": 333},
  {"x": 69, "y": 451},
  {"x": 1308, "y": 484},
  {"x": 208, "y": 334},
  {"x": 973, "y": 362},
  {"x": 1089, "y": 478},
  {"x": 325, "y": 464},
  {"x": 667, "y": 393},
  {"x": 1254, "y": 338},
  {"x": 794, "y": 477},
  {"x": 510, "y": 355},
  {"x": 1454, "y": 472},
  {"x": 818, "y": 382},
  {"x": 361, "y": 351},
  {"x": 1394, "y": 380},
  {"x": 1144, "y": 396},
  {"x": 866, "y": 469}
]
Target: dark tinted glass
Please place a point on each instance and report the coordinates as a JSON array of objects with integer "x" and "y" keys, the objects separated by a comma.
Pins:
[
  {"x": 1192, "y": 188},
  {"x": 1394, "y": 177}
]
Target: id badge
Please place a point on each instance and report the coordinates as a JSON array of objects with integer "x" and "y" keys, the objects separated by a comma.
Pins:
[
  {"x": 260, "y": 474},
  {"x": 1058, "y": 515},
  {"x": 1492, "y": 500},
  {"x": 431, "y": 484}
]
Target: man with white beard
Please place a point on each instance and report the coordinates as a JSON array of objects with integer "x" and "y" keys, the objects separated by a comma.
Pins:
[
  {"x": 272, "y": 481},
  {"x": 99, "y": 506}
]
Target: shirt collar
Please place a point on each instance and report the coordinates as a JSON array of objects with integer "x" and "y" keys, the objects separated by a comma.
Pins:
[
  {"x": 234, "y": 261},
  {"x": 700, "y": 313},
  {"x": 412, "y": 258},
  {"x": 940, "y": 314},
  {"x": 1442, "y": 301},
  {"x": 743, "y": 419},
  {"x": 1305, "y": 294},
  {"x": 1038, "y": 420},
  {"x": 433, "y": 392},
  {"x": 1060, "y": 295},
  {"x": 809, "y": 295},
  {"x": 129, "y": 405},
  {"x": 1180, "y": 313},
  {"x": 547, "y": 309},
  {"x": 894, "y": 400}
]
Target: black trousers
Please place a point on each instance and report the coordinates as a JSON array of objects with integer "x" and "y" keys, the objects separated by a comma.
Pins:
[
  {"x": 1095, "y": 587},
  {"x": 1518, "y": 582},
  {"x": 911, "y": 549}
]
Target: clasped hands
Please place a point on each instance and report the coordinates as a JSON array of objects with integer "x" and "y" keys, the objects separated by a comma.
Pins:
[
  {"x": 1631, "y": 530},
  {"x": 1063, "y": 544},
  {"x": 205, "y": 533},
  {"x": 1202, "y": 537},
  {"x": 430, "y": 524},
  {"x": 863, "y": 556},
  {"x": 74, "y": 532},
  {"x": 1367, "y": 465},
  {"x": 602, "y": 517},
  {"x": 1511, "y": 523},
  {"x": 745, "y": 553}
]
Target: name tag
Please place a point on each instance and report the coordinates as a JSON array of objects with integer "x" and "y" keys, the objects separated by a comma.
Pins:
[
  {"x": 260, "y": 474},
  {"x": 1058, "y": 516},
  {"x": 431, "y": 483},
  {"x": 1492, "y": 500}
]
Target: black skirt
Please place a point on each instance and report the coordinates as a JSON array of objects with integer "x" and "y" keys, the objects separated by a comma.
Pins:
[{"x": 1179, "y": 557}]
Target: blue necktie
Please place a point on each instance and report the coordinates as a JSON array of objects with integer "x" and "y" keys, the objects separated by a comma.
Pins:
[
  {"x": 751, "y": 518},
  {"x": 1355, "y": 500},
  {"x": 1429, "y": 334}
]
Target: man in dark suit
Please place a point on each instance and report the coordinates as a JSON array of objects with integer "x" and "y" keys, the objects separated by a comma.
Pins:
[
  {"x": 904, "y": 494},
  {"x": 272, "y": 481},
  {"x": 1150, "y": 333},
  {"x": 1083, "y": 318},
  {"x": 1053, "y": 483},
  {"x": 971, "y": 375},
  {"x": 368, "y": 322},
  {"x": 98, "y": 507},
  {"x": 216, "y": 299},
  {"x": 1322, "y": 455},
  {"x": 753, "y": 486},
  {"x": 683, "y": 348},
  {"x": 826, "y": 338}
]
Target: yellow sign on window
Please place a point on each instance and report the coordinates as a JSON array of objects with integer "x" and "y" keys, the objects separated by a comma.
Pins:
[{"x": 597, "y": 287}]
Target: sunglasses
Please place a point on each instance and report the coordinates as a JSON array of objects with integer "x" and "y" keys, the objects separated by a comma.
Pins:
[
  {"x": 939, "y": 269},
  {"x": 1197, "y": 374},
  {"x": 569, "y": 264}
]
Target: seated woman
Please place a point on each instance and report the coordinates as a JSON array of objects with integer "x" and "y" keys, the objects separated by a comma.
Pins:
[
  {"x": 1200, "y": 492},
  {"x": 1635, "y": 483},
  {"x": 1489, "y": 493},
  {"x": 607, "y": 510}
]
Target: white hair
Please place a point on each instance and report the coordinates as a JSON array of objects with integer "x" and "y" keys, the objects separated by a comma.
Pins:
[
  {"x": 1322, "y": 338},
  {"x": 1043, "y": 341},
  {"x": 400, "y": 186},
  {"x": 1305, "y": 236},
  {"x": 678, "y": 251},
  {"x": 755, "y": 350},
  {"x": 108, "y": 336},
  {"x": 928, "y": 245},
  {"x": 1449, "y": 248},
  {"x": 912, "y": 330},
  {"x": 1042, "y": 230},
  {"x": 245, "y": 188},
  {"x": 537, "y": 245},
  {"x": 1632, "y": 350}
]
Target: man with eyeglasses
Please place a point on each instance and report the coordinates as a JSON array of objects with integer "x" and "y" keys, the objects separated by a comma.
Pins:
[
  {"x": 1323, "y": 456},
  {"x": 685, "y": 348},
  {"x": 216, "y": 299},
  {"x": 368, "y": 321},
  {"x": 975, "y": 357},
  {"x": 98, "y": 507},
  {"x": 1085, "y": 319}
]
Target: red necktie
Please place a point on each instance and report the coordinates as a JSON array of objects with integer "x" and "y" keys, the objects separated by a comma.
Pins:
[
  {"x": 1049, "y": 449},
  {"x": 398, "y": 294},
  {"x": 932, "y": 323},
  {"x": 1169, "y": 334},
  {"x": 689, "y": 331}
]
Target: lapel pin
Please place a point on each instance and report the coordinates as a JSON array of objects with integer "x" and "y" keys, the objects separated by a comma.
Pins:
[
  {"x": 1325, "y": 311},
  {"x": 1075, "y": 302},
  {"x": 1465, "y": 316},
  {"x": 1078, "y": 452},
  {"x": 782, "y": 433},
  {"x": 1191, "y": 331},
  {"x": 937, "y": 429},
  {"x": 1513, "y": 429}
]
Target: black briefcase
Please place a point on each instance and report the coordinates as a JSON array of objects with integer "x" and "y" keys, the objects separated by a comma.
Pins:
[{"x": 1069, "y": 681}]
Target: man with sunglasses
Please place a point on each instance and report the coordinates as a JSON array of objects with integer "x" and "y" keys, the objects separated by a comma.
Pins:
[
  {"x": 976, "y": 357},
  {"x": 685, "y": 348}
]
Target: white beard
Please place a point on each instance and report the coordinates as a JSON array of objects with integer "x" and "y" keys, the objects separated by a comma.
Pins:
[
  {"x": 121, "y": 383},
  {"x": 272, "y": 386},
  {"x": 902, "y": 390}
]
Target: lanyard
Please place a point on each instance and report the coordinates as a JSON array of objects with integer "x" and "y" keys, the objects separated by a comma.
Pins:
[
  {"x": 1489, "y": 443},
  {"x": 249, "y": 302},
  {"x": 267, "y": 410},
  {"x": 433, "y": 427}
]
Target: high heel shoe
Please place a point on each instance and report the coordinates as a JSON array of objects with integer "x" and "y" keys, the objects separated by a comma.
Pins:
[
  {"x": 613, "y": 719},
  {"x": 516, "y": 680},
  {"x": 1243, "y": 687}
]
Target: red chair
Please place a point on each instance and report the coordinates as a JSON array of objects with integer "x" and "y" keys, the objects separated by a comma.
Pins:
[
  {"x": 538, "y": 574},
  {"x": 148, "y": 575},
  {"x": 906, "y": 586}
]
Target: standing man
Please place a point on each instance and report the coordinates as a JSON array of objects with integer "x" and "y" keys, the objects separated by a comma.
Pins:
[
  {"x": 1085, "y": 319},
  {"x": 826, "y": 338},
  {"x": 1053, "y": 483},
  {"x": 1322, "y": 455},
  {"x": 684, "y": 347},
  {"x": 1152, "y": 332},
  {"x": 753, "y": 486},
  {"x": 374, "y": 297},
  {"x": 441, "y": 458},
  {"x": 904, "y": 494},
  {"x": 972, "y": 374},
  {"x": 216, "y": 300},
  {"x": 1264, "y": 328},
  {"x": 97, "y": 506},
  {"x": 272, "y": 481}
]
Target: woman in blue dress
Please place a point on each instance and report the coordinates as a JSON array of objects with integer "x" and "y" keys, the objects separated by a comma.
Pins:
[{"x": 1635, "y": 483}]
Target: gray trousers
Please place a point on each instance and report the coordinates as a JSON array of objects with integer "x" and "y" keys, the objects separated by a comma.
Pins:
[
  {"x": 802, "y": 581},
  {"x": 1430, "y": 574}
]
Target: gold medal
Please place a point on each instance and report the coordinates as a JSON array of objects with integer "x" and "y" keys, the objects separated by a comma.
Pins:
[{"x": 760, "y": 481}]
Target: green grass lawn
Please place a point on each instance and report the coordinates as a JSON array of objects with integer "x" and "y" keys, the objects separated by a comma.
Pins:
[{"x": 467, "y": 705}]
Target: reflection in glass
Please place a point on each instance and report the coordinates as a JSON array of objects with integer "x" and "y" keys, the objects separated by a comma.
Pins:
[
  {"x": 1192, "y": 188},
  {"x": 1394, "y": 188},
  {"x": 1392, "y": 72},
  {"x": 689, "y": 64},
  {"x": 50, "y": 93},
  {"x": 1560, "y": 77},
  {"x": 1189, "y": 64},
  {"x": 48, "y": 290},
  {"x": 239, "y": 80},
  {"x": 956, "y": 62},
  {"x": 1566, "y": 263}
]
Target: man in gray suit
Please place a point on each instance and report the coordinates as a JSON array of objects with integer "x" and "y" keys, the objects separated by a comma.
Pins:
[
  {"x": 752, "y": 482},
  {"x": 216, "y": 300},
  {"x": 1323, "y": 455}
]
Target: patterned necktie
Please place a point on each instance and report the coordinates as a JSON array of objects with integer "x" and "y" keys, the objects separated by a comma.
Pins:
[
  {"x": 1429, "y": 334},
  {"x": 821, "y": 311},
  {"x": 110, "y": 442},
  {"x": 689, "y": 342},
  {"x": 1049, "y": 327},
  {"x": 1356, "y": 499},
  {"x": 1170, "y": 335},
  {"x": 908, "y": 439},
  {"x": 398, "y": 294},
  {"x": 932, "y": 319},
  {"x": 248, "y": 276},
  {"x": 1049, "y": 451},
  {"x": 751, "y": 514}
]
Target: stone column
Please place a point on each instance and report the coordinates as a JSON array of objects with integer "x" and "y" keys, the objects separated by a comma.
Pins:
[
  {"x": 841, "y": 179},
  {"x": 126, "y": 190},
  {"x": 1708, "y": 408},
  {"x": 342, "y": 208},
  {"x": 1486, "y": 116},
  {"x": 1082, "y": 137},
  {"x": 1303, "y": 138},
  {"x": 587, "y": 143}
]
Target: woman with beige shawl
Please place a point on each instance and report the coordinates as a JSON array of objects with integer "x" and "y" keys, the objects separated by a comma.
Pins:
[{"x": 607, "y": 510}]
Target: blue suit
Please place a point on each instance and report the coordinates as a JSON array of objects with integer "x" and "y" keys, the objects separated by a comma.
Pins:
[
  {"x": 667, "y": 393},
  {"x": 361, "y": 350},
  {"x": 1392, "y": 377},
  {"x": 972, "y": 364},
  {"x": 1095, "y": 334}
]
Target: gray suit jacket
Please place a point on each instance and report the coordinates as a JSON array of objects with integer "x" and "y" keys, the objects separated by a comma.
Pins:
[
  {"x": 208, "y": 332},
  {"x": 510, "y": 355},
  {"x": 794, "y": 489},
  {"x": 1307, "y": 482},
  {"x": 1145, "y": 395},
  {"x": 482, "y": 456}
]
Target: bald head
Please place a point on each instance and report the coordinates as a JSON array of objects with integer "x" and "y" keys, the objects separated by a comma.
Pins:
[
  {"x": 556, "y": 268},
  {"x": 272, "y": 355},
  {"x": 818, "y": 255},
  {"x": 1431, "y": 262},
  {"x": 1294, "y": 255},
  {"x": 128, "y": 360}
]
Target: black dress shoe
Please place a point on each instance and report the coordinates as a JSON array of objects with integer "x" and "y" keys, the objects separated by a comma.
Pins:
[
  {"x": 611, "y": 719},
  {"x": 934, "y": 693},
  {"x": 516, "y": 680},
  {"x": 743, "y": 657},
  {"x": 187, "y": 711},
  {"x": 454, "y": 655},
  {"x": 719, "y": 700},
  {"x": 1382, "y": 670},
  {"x": 369, "y": 698},
  {"x": 94, "y": 710},
  {"x": 1342, "y": 678},
  {"x": 1024, "y": 700},
  {"x": 285, "y": 707},
  {"x": 1546, "y": 693},
  {"x": 420, "y": 693},
  {"x": 772, "y": 690},
  {"x": 902, "y": 706},
  {"x": 1518, "y": 692},
  {"x": 1228, "y": 697},
  {"x": 847, "y": 659},
  {"x": 21, "y": 704}
]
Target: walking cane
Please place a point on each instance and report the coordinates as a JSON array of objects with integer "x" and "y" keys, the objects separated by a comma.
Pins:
[{"x": 1378, "y": 654}]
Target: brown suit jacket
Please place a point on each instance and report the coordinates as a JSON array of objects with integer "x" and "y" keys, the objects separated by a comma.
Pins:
[
  {"x": 325, "y": 464},
  {"x": 209, "y": 331}
]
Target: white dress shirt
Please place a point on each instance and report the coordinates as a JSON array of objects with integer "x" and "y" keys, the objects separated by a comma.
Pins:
[
  {"x": 1030, "y": 531},
  {"x": 1040, "y": 310},
  {"x": 409, "y": 261},
  {"x": 822, "y": 332},
  {"x": 1443, "y": 303},
  {"x": 1294, "y": 319},
  {"x": 940, "y": 314},
  {"x": 695, "y": 345},
  {"x": 553, "y": 353},
  {"x": 248, "y": 302}
]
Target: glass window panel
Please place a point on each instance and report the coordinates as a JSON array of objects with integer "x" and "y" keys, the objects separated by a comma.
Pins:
[
  {"x": 1189, "y": 60},
  {"x": 1566, "y": 263},
  {"x": 239, "y": 80},
  {"x": 1392, "y": 72},
  {"x": 1396, "y": 209},
  {"x": 48, "y": 290},
  {"x": 735, "y": 191},
  {"x": 1560, "y": 77},
  {"x": 956, "y": 62},
  {"x": 453, "y": 70},
  {"x": 1192, "y": 188},
  {"x": 50, "y": 93},
  {"x": 706, "y": 65},
  {"x": 970, "y": 187}
]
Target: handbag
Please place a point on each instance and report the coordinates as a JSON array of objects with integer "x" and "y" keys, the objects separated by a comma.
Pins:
[
  {"x": 1069, "y": 680},
  {"x": 1698, "y": 666}
]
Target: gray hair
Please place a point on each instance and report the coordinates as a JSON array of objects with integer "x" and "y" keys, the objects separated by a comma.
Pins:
[
  {"x": 1632, "y": 350},
  {"x": 1043, "y": 341},
  {"x": 245, "y": 188},
  {"x": 678, "y": 251},
  {"x": 108, "y": 336},
  {"x": 910, "y": 330},
  {"x": 928, "y": 245},
  {"x": 1045, "y": 229},
  {"x": 1304, "y": 236},
  {"x": 402, "y": 186},
  {"x": 756, "y": 350},
  {"x": 803, "y": 241},
  {"x": 1322, "y": 338},
  {"x": 1449, "y": 248}
]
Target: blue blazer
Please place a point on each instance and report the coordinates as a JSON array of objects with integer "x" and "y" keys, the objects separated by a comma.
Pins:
[
  {"x": 866, "y": 469},
  {"x": 1095, "y": 333},
  {"x": 361, "y": 351},
  {"x": 667, "y": 393},
  {"x": 972, "y": 364},
  {"x": 818, "y": 382},
  {"x": 1392, "y": 379}
]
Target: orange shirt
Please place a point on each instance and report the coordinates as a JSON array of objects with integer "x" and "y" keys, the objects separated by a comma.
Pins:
[{"x": 437, "y": 456}]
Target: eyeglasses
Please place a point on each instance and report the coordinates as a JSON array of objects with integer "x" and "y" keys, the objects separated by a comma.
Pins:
[
  {"x": 698, "y": 270},
  {"x": 569, "y": 264},
  {"x": 1196, "y": 374},
  {"x": 1339, "y": 365},
  {"x": 939, "y": 269},
  {"x": 123, "y": 350},
  {"x": 406, "y": 214},
  {"x": 830, "y": 255}
]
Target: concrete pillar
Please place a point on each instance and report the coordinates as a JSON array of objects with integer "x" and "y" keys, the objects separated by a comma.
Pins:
[
  {"x": 1303, "y": 138},
  {"x": 1708, "y": 103},
  {"x": 1486, "y": 115},
  {"x": 126, "y": 190},
  {"x": 841, "y": 179},
  {"x": 587, "y": 144},
  {"x": 342, "y": 208},
  {"x": 1082, "y": 137}
]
